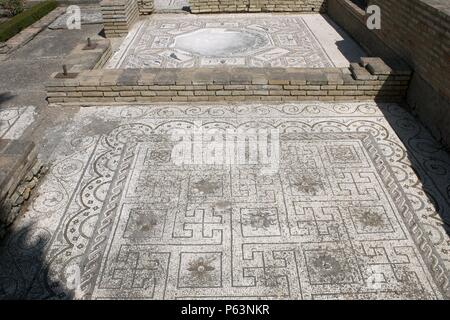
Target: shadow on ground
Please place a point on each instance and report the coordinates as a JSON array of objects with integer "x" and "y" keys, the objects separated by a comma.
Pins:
[
  {"x": 5, "y": 97},
  {"x": 25, "y": 250},
  {"x": 429, "y": 159},
  {"x": 345, "y": 45}
]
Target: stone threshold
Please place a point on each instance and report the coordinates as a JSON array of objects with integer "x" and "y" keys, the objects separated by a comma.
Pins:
[{"x": 369, "y": 80}]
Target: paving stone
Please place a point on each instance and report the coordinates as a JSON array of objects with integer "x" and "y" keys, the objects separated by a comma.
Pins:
[
  {"x": 89, "y": 15},
  {"x": 29, "y": 33}
]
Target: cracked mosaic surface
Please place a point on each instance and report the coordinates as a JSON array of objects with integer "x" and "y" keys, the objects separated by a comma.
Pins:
[
  {"x": 15, "y": 120},
  {"x": 345, "y": 205},
  {"x": 236, "y": 40}
]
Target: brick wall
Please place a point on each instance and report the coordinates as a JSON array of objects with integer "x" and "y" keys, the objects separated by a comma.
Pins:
[
  {"x": 416, "y": 31},
  {"x": 419, "y": 33},
  {"x": 119, "y": 16},
  {"x": 209, "y": 6},
  {"x": 145, "y": 7},
  {"x": 369, "y": 80}
]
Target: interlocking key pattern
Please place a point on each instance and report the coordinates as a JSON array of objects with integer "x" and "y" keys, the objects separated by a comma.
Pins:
[{"x": 344, "y": 217}]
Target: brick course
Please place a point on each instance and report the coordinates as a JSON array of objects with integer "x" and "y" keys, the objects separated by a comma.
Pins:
[
  {"x": 119, "y": 16},
  {"x": 145, "y": 7},
  {"x": 369, "y": 80},
  {"x": 419, "y": 33},
  {"x": 215, "y": 6}
]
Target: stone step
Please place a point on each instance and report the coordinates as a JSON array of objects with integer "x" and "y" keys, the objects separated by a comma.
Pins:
[
  {"x": 375, "y": 66},
  {"x": 361, "y": 73},
  {"x": 378, "y": 67}
]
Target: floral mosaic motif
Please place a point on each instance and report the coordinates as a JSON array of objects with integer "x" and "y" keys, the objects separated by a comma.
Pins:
[
  {"x": 206, "y": 186},
  {"x": 371, "y": 219},
  {"x": 145, "y": 223},
  {"x": 307, "y": 183},
  {"x": 200, "y": 270},
  {"x": 260, "y": 222},
  {"x": 329, "y": 267},
  {"x": 263, "y": 219}
]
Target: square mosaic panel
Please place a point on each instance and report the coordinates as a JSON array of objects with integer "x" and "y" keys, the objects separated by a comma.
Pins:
[
  {"x": 344, "y": 217},
  {"x": 198, "y": 41}
]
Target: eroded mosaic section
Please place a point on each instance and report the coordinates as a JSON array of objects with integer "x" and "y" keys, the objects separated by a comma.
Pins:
[
  {"x": 15, "y": 120},
  {"x": 170, "y": 42},
  {"x": 345, "y": 216}
]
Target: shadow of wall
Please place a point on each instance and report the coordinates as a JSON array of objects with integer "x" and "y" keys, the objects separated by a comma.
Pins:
[
  {"x": 429, "y": 160},
  {"x": 425, "y": 98},
  {"x": 427, "y": 145},
  {"x": 24, "y": 268}
]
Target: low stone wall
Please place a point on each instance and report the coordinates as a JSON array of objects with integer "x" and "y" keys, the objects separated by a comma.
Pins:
[
  {"x": 217, "y": 6},
  {"x": 369, "y": 80},
  {"x": 415, "y": 31},
  {"x": 19, "y": 174},
  {"x": 119, "y": 16}
]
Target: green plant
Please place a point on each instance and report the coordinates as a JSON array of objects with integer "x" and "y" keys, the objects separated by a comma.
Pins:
[
  {"x": 12, "y": 7},
  {"x": 26, "y": 18}
]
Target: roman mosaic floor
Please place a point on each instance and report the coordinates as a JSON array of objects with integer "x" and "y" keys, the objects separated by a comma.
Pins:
[
  {"x": 252, "y": 40},
  {"x": 344, "y": 217}
]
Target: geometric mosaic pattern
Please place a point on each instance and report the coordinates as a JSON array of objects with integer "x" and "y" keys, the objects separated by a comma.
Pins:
[
  {"x": 345, "y": 217},
  {"x": 252, "y": 41}
]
